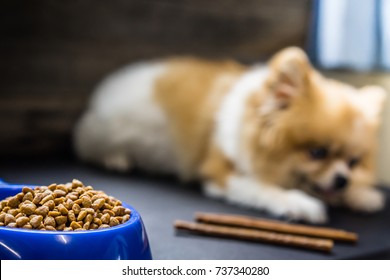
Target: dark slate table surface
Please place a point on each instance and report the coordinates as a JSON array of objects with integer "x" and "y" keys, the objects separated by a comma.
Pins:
[{"x": 161, "y": 200}]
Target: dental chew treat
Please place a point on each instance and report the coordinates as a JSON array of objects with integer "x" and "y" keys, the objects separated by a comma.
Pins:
[{"x": 62, "y": 207}]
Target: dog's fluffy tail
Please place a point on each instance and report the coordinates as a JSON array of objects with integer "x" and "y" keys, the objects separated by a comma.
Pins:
[{"x": 88, "y": 136}]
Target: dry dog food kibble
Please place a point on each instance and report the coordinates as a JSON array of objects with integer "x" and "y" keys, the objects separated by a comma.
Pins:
[{"x": 65, "y": 207}]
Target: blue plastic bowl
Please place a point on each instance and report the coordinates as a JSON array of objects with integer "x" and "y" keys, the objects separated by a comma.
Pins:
[{"x": 126, "y": 241}]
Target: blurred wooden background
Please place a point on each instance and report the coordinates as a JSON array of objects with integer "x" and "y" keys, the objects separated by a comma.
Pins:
[{"x": 52, "y": 53}]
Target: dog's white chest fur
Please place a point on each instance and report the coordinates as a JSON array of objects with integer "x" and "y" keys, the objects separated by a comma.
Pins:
[{"x": 230, "y": 116}]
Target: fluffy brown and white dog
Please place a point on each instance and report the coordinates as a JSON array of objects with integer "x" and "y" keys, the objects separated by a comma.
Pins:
[{"x": 277, "y": 137}]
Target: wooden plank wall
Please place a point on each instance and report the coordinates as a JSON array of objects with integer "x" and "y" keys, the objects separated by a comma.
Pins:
[{"x": 52, "y": 53}]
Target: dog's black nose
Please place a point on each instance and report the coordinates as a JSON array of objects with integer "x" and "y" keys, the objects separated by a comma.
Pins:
[{"x": 340, "y": 182}]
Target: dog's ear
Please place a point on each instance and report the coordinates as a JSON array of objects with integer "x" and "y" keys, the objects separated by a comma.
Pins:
[
  {"x": 371, "y": 101},
  {"x": 289, "y": 75}
]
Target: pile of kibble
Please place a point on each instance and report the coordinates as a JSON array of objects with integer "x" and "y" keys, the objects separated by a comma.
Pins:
[{"x": 65, "y": 207}]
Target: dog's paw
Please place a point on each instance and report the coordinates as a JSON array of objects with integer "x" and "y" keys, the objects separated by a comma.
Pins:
[
  {"x": 212, "y": 190},
  {"x": 299, "y": 206},
  {"x": 118, "y": 163},
  {"x": 365, "y": 199}
]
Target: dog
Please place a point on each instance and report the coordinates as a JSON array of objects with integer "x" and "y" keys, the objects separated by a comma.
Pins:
[{"x": 278, "y": 137}]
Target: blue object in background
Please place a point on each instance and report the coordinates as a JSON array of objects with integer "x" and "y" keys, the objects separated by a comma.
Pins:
[
  {"x": 385, "y": 33},
  {"x": 350, "y": 34},
  {"x": 126, "y": 241}
]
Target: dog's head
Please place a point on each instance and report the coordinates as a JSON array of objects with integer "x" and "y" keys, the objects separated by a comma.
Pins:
[{"x": 318, "y": 132}]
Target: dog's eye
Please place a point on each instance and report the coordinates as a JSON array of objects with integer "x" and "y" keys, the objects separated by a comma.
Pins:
[
  {"x": 353, "y": 162},
  {"x": 318, "y": 153}
]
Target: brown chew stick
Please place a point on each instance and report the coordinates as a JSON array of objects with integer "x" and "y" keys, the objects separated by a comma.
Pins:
[
  {"x": 276, "y": 226},
  {"x": 257, "y": 235}
]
